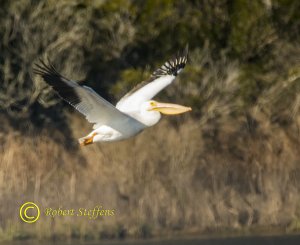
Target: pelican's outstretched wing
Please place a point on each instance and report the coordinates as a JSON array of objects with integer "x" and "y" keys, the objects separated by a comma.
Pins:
[
  {"x": 160, "y": 78},
  {"x": 96, "y": 109}
]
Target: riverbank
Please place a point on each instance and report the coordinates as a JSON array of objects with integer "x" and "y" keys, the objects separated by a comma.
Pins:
[
  {"x": 171, "y": 179},
  {"x": 215, "y": 238}
]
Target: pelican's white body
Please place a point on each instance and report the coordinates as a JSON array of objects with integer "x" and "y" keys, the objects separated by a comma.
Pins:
[
  {"x": 146, "y": 118},
  {"x": 135, "y": 107}
]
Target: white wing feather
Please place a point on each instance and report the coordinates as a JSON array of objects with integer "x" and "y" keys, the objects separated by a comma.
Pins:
[
  {"x": 100, "y": 112},
  {"x": 160, "y": 79},
  {"x": 145, "y": 93},
  {"x": 96, "y": 109}
]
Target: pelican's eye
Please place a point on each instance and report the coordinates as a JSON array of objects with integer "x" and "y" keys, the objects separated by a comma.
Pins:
[{"x": 152, "y": 103}]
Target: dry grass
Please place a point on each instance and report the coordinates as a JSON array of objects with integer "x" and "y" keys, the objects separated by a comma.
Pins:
[{"x": 190, "y": 177}]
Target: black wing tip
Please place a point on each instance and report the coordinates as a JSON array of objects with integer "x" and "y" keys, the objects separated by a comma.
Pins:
[
  {"x": 63, "y": 86},
  {"x": 173, "y": 66},
  {"x": 43, "y": 68},
  {"x": 49, "y": 74}
]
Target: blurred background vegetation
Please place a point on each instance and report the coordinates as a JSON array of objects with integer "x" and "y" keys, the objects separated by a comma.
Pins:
[{"x": 233, "y": 164}]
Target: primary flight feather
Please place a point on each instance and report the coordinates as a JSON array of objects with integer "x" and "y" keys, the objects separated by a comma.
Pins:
[{"x": 133, "y": 113}]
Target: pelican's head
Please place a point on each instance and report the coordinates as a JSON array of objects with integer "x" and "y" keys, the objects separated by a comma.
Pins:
[{"x": 151, "y": 111}]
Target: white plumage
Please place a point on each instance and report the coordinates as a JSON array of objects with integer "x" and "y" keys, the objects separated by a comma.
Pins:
[{"x": 133, "y": 113}]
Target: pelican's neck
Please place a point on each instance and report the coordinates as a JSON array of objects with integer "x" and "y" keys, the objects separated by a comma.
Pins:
[{"x": 148, "y": 118}]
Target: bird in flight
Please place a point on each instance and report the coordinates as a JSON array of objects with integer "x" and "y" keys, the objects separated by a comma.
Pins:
[{"x": 132, "y": 114}]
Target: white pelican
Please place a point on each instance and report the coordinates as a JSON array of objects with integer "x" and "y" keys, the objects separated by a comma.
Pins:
[{"x": 133, "y": 113}]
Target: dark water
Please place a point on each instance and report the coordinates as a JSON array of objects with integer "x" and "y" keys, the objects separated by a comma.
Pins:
[
  {"x": 261, "y": 240},
  {"x": 256, "y": 240},
  {"x": 267, "y": 240}
]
